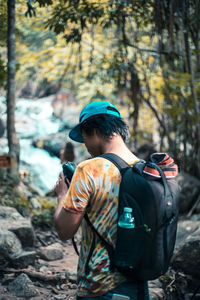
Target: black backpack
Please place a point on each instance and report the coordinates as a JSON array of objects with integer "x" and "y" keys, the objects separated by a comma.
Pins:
[{"x": 150, "y": 189}]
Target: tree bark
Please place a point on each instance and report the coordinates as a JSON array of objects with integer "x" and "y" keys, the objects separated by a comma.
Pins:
[
  {"x": 13, "y": 142},
  {"x": 194, "y": 96},
  {"x": 134, "y": 96}
]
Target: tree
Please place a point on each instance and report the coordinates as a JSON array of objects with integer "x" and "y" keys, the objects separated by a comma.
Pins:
[
  {"x": 146, "y": 50},
  {"x": 13, "y": 142},
  {"x": 173, "y": 28},
  {"x": 3, "y": 30}
]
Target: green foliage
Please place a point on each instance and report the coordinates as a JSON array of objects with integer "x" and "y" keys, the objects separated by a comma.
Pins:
[
  {"x": 31, "y": 10},
  {"x": 142, "y": 54},
  {"x": 80, "y": 15},
  {"x": 11, "y": 196},
  {"x": 3, "y": 38},
  {"x": 3, "y": 22},
  {"x": 21, "y": 196},
  {"x": 132, "y": 46},
  {"x": 43, "y": 3},
  {"x": 43, "y": 216},
  {"x": 3, "y": 74},
  {"x": 34, "y": 39},
  {"x": 174, "y": 284}
]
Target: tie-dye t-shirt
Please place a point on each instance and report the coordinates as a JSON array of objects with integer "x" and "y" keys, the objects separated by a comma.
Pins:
[{"x": 95, "y": 188}]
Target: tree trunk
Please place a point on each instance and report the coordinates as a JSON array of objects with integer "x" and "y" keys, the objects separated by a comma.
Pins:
[
  {"x": 13, "y": 142},
  {"x": 135, "y": 99}
]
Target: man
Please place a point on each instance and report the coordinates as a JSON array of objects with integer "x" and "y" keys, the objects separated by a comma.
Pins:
[{"x": 94, "y": 190}]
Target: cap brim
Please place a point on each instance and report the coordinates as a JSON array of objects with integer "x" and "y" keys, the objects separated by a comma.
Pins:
[{"x": 75, "y": 134}]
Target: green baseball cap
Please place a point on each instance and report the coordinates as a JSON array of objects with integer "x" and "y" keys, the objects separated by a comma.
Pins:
[{"x": 90, "y": 110}]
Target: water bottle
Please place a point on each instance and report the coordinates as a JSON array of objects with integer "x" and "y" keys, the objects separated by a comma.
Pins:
[{"x": 126, "y": 220}]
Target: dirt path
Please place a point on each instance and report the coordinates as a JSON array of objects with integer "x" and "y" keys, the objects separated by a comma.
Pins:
[
  {"x": 53, "y": 280},
  {"x": 65, "y": 269}
]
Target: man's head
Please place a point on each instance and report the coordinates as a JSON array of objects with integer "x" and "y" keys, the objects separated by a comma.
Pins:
[{"x": 99, "y": 121}]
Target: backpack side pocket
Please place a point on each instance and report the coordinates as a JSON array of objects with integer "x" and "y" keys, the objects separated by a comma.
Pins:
[{"x": 129, "y": 247}]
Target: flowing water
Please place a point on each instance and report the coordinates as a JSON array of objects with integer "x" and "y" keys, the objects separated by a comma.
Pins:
[{"x": 35, "y": 118}]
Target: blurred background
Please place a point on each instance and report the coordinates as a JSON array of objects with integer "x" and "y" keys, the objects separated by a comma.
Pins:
[
  {"x": 142, "y": 57},
  {"x": 58, "y": 56}
]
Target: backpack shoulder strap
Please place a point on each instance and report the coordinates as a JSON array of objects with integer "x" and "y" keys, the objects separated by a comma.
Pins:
[
  {"x": 116, "y": 160},
  {"x": 122, "y": 165},
  {"x": 139, "y": 168},
  {"x": 108, "y": 247}
]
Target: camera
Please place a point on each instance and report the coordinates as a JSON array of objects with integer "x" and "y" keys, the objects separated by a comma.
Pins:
[{"x": 68, "y": 171}]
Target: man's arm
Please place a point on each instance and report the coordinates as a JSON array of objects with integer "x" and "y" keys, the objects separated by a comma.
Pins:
[{"x": 66, "y": 223}]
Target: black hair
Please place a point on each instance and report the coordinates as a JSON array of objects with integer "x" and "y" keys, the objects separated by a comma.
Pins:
[
  {"x": 107, "y": 125},
  {"x": 69, "y": 154}
]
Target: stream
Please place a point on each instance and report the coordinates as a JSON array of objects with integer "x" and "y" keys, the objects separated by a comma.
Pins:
[{"x": 35, "y": 118}]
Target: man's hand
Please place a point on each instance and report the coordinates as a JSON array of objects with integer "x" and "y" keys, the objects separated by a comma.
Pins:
[
  {"x": 66, "y": 223},
  {"x": 61, "y": 187}
]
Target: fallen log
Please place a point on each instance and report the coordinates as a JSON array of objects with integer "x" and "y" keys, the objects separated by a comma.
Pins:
[{"x": 38, "y": 275}]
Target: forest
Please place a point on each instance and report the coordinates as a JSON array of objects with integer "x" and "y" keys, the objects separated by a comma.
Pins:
[
  {"x": 145, "y": 56},
  {"x": 141, "y": 55}
]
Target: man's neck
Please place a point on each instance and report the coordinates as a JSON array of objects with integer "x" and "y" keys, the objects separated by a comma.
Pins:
[{"x": 117, "y": 146}]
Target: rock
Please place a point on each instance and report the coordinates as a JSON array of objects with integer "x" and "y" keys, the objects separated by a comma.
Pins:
[
  {"x": 46, "y": 89},
  {"x": 24, "y": 232},
  {"x": 11, "y": 249},
  {"x": 60, "y": 296},
  {"x": 155, "y": 290},
  {"x": 11, "y": 220},
  {"x": 155, "y": 283},
  {"x": 187, "y": 256},
  {"x": 10, "y": 246},
  {"x": 189, "y": 296},
  {"x": 156, "y": 294},
  {"x": 51, "y": 252},
  {"x": 7, "y": 279},
  {"x": 51, "y": 143},
  {"x": 195, "y": 217},
  {"x": 145, "y": 150},
  {"x": 16, "y": 232},
  {"x": 22, "y": 286},
  {"x": 44, "y": 269},
  {"x": 190, "y": 190},
  {"x": 34, "y": 89},
  {"x": 28, "y": 90},
  {"x": 24, "y": 259},
  {"x": 72, "y": 277},
  {"x": 65, "y": 106},
  {"x": 185, "y": 228}
]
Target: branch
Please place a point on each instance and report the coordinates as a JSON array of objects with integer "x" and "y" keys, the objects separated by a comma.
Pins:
[
  {"x": 145, "y": 50},
  {"x": 197, "y": 201},
  {"x": 30, "y": 9},
  {"x": 162, "y": 123},
  {"x": 44, "y": 277},
  {"x": 150, "y": 50}
]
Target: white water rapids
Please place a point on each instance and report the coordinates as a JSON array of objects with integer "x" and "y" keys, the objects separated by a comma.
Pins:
[{"x": 34, "y": 118}]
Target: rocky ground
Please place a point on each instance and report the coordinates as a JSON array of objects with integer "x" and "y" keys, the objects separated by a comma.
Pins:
[
  {"x": 53, "y": 275},
  {"x": 49, "y": 278},
  {"x": 35, "y": 264}
]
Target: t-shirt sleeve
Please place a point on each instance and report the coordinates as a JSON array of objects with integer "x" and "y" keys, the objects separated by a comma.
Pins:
[{"x": 80, "y": 191}]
